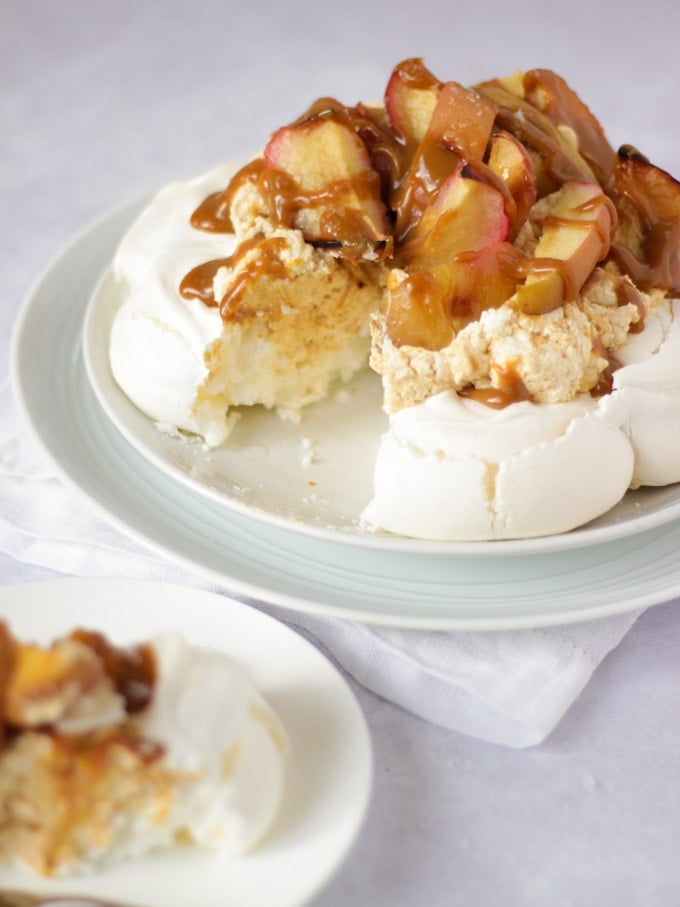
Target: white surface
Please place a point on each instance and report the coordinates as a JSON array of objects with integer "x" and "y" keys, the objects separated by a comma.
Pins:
[
  {"x": 301, "y": 571},
  {"x": 329, "y": 771},
  {"x": 102, "y": 101}
]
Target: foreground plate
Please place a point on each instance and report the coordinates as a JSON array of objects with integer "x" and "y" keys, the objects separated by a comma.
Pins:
[
  {"x": 329, "y": 777},
  {"x": 394, "y": 581}
]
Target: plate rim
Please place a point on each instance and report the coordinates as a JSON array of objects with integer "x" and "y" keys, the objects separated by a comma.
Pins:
[{"x": 185, "y": 598}]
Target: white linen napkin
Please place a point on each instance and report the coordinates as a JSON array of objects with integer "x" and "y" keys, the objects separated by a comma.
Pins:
[{"x": 509, "y": 687}]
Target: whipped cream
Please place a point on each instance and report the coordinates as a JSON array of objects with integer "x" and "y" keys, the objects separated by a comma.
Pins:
[{"x": 220, "y": 733}]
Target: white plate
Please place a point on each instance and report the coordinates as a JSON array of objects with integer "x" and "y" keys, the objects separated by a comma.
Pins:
[
  {"x": 265, "y": 470},
  {"x": 472, "y": 586},
  {"x": 329, "y": 777}
]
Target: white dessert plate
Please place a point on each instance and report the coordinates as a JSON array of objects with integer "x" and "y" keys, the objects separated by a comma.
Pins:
[
  {"x": 344, "y": 573},
  {"x": 314, "y": 478},
  {"x": 330, "y": 767}
]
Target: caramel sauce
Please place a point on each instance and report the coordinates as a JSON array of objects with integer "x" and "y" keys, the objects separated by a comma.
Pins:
[
  {"x": 406, "y": 180},
  {"x": 212, "y": 215},
  {"x": 511, "y": 389},
  {"x": 415, "y": 74},
  {"x": 132, "y": 671},
  {"x": 431, "y": 166},
  {"x": 267, "y": 261},
  {"x": 627, "y": 294},
  {"x": 561, "y": 104},
  {"x": 605, "y": 383},
  {"x": 537, "y": 133},
  {"x": 198, "y": 283}
]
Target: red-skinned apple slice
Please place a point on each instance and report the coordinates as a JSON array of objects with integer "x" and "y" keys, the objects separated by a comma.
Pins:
[
  {"x": 648, "y": 235},
  {"x": 576, "y": 236},
  {"x": 510, "y": 161},
  {"x": 410, "y": 99},
  {"x": 554, "y": 97},
  {"x": 557, "y": 160},
  {"x": 428, "y": 307},
  {"x": 462, "y": 121},
  {"x": 334, "y": 192},
  {"x": 458, "y": 132},
  {"x": 466, "y": 215}
]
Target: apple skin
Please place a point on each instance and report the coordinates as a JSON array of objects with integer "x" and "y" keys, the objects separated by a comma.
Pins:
[
  {"x": 647, "y": 238},
  {"x": 465, "y": 215},
  {"x": 455, "y": 128},
  {"x": 512, "y": 164},
  {"x": 554, "y": 97},
  {"x": 410, "y": 98},
  {"x": 334, "y": 192},
  {"x": 462, "y": 121},
  {"x": 556, "y": 159},
  {"x": 428, "y": 307},
  {"x": 576, "y": 236}
]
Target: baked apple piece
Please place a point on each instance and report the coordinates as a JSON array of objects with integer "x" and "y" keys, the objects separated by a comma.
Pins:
[
  {"x": 466, "y": 215},
  {"x": 576, "y": 236},
  {"x": 555, "y": 157},
  {"x": 647, "y": 238},
  {"x": 458, "y": 133},
  {"x": 332, "y": 193},
  {"x": 462, "y": 121},
  {"x": 512, "y": 164},
  {"x": 426, "y": 308},
  {"x": 554, "y": 97},
  {"x": 410, "y": 99}
]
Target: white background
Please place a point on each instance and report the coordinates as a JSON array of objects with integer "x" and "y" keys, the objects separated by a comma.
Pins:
[{"x": 103, "y": 101}]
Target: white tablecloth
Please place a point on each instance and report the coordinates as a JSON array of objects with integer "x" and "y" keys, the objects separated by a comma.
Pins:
[{"x": 101, "y": 102}]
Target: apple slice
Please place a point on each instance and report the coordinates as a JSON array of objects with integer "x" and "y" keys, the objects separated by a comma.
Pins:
[
  {"x": 462, "y": 120},
  {"x": 511, "y": 162},
  {"x": 558, "y": 158},
  {"x": 410, "y": 99},
  {"x": 414, "y": 311},
  {"x": 458, "y": 132},
  {"x": 552, "y": 95},
  {"x": 647, "y": 238},
  {"x": 428, "y": 307},
  {"x": 576, "y": 236},
  {"x": 332, "y": 193},
  {"x": 466, "y": 215}
]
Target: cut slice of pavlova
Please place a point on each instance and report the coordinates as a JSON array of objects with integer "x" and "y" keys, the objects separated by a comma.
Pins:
[{"x": 109, "y": 753}]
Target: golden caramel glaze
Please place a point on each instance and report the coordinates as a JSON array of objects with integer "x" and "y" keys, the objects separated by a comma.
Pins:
[
  {"x": 132, "y": 669},
  {"x": 510, "y": 389},
  {"x": 409, "y": 163},
  {"x": 550, "y": 94},
  {"x": 31, "y": 675},
  {"x": 647, "y": 245},
  {"x": 262, "y": 256}
]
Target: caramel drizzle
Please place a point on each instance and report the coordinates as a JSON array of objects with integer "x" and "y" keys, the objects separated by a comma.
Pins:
[
  {"x": 410, "y": 178},
  {"x": 199, "y": 282},
  {"x": 510, "y": 389}
]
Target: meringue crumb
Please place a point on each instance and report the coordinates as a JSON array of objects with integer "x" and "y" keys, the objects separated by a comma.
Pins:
[{"x": 308, "y": 451}]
